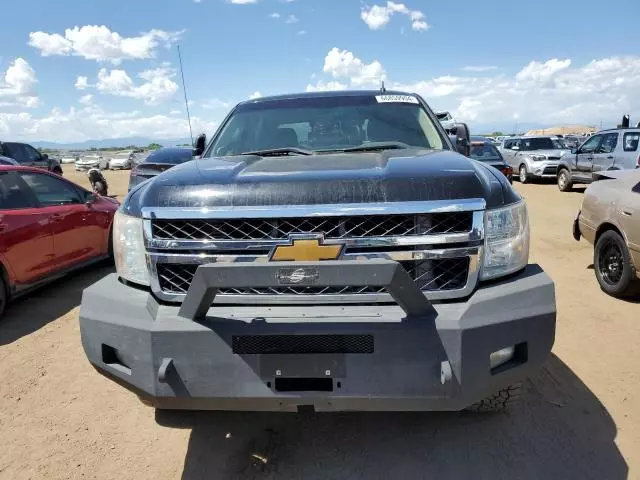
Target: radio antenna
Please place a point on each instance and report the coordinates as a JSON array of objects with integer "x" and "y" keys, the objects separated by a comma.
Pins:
[
  {"x": 186, "y": 102},
  {"x": 382, "y": 89}
]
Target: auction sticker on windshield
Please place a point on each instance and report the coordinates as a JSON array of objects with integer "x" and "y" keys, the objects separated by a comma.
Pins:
[{"x": 396, "y": 99}]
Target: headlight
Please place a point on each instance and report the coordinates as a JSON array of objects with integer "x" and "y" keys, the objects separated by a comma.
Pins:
[
  {"x": 537, "y": 158},
  {"x": 128, "y": 249},
  {"x": 506, "y": 247}
]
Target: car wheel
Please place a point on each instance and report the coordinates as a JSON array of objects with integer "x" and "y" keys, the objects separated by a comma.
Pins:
[
  {"x": 564, "y": 180},
  {"x": 523, "y": 176},
  {"x": 500, "y": 401},
  {"x": 612, "y": 263}
]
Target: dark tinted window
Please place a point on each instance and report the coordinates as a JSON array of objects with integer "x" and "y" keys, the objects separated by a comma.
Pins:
[
  {"x": 51, "y": 191},
  {"x": 485, "y": 152},
  {"x": 16, "y": 151},
  {"x": 13, "y": 193},
  {"x": 327, "y": 123},
  {"x": 543, "y": 143},
  {"x": 170, "y": 155},
  {"x": 630, "y": 141}
]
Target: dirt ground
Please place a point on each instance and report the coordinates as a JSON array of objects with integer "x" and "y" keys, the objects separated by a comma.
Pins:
[{"x": 580, "y": 419}]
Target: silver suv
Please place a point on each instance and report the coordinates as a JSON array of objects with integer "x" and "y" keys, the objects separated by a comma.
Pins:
[
  {"x": 533, "y": 157},
  {"x": 614, "y": 149}
]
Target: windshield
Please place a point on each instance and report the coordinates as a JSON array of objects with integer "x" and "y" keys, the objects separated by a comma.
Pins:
[
  {"x": 322, "y": 124},
  {"x": 485, "y": 152},
  {"x": 539, "y": 143}
]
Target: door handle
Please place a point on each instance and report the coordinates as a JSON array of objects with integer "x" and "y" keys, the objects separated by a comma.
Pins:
[
  {"x": 610, "y": 157},
  {"x": 627, "y": 211},
  {"x": 3, "y": 227},
  {"x": 56, "y": 217}
]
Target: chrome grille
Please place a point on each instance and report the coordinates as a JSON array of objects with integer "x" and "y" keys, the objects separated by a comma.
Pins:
[
  {"x": 332, "y": 227},
  {"x": 430, "y": 275}
]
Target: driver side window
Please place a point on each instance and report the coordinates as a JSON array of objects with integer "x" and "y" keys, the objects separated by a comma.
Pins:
[
  {"x": 51, "y": 191},
  {"x": 590, "y": 145},
  {"x": 32, "y": 154}
]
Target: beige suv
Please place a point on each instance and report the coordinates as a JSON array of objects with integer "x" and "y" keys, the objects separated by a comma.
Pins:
[{"x": 610, "y": 219}]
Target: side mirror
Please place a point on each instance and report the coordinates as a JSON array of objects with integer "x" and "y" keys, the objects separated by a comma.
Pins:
[
  {"x": 574, "y": 150},
  {"x": 45, "y": 156},
  {"x": 462, "y": 138},
  {"x": 90, "y": 198},
  {"x": 200, "y": 145}
]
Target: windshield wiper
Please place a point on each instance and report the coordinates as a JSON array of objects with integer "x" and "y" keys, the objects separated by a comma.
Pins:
[
  {"x": 373, "y": 146},
  {"x": 279, "y": 151}
]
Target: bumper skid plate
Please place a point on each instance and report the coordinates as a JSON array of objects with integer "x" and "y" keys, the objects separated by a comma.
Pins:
[{"x": 411, "y": 355}]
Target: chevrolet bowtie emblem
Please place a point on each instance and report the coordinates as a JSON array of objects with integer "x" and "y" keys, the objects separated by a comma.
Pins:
[{"x": 305, "y": 250}]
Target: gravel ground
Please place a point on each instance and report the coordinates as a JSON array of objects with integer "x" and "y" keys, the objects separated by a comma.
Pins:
[{"x": 580, "y": 419}]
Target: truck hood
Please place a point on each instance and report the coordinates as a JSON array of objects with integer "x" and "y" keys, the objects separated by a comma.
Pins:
[{"x": 340, "y": 178}]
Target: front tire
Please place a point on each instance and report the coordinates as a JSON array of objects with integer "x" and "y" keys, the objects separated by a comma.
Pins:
[
  {"x": 523, "y": 175},
  {"x": 500, "y": 401},
  {"x": 564, "y": 180},
  {"x": 612, "y": 263}
]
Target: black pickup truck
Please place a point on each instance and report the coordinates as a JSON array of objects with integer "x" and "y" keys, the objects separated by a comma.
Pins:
[
  {"x": 28, "y": 156},
  {"x": 328, "y": 250}
]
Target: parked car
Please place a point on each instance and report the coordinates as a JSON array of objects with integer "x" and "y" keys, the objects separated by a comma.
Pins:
[
  {"x": 533, "y": 157},
  {"x": 121, "y": 160},
  {"x": 608, "y": 219},
  {"x": 69, "y": 158},
  {"x": 157, "y": 162},
  {"x": 26, "y": 155},
  {"x": 614, "y": 149},
  {"x": 446, "y": 120},
  {"x": 49, "y": 226},
  {"x": 486, "y": 152},
  {"x": 88, "y": 162}
]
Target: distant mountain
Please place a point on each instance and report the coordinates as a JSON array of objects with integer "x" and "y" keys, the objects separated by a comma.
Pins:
[{"x": 106, "y": 143}]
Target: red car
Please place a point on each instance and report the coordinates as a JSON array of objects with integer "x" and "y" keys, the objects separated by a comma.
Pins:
[{"x": 48, "y": 227}]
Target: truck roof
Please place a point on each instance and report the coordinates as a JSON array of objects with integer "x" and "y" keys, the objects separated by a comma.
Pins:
[{"x": 330, "y": 93}]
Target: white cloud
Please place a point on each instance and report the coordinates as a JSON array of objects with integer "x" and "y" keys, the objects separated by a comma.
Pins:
[
  {"x": 16, "y": 86},
  {"x": 255, "y": 95},
  {"x": 215, "y": 103},
  {"x": 95, "y": 42},
  {"x": 342, "y": 64},
  {"x": 242, "y": 2},
  {"x": 157, "y": 88},
  {"x": 86, "y": 99},
  {"x": 377, "y": 16},
  {"x": 302, "y": 32},
  {"x": 92, "y": 122},
  {"x": 274, "y": 15},
  {"x": 479, "y": 68},
  {"x": 291, "y": 19},
  {"x": 82, "y": 83},
  {"x": 542, "y": 92}
]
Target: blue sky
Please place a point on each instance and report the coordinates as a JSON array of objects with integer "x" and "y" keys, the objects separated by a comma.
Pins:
[{"x": 491, "y": 63}]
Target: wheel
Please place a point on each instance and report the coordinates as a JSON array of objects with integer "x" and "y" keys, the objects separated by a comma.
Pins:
[
  {"x": 564, "y": 180},
  {"x": 612, "y": 264},
  {"x": 3, "y": 296},
  {"x": 523, "y": 174},
  {"x": 500, "y": 401}
]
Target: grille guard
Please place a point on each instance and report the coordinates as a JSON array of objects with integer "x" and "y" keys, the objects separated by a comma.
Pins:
[{"x": 211, "y": 277}]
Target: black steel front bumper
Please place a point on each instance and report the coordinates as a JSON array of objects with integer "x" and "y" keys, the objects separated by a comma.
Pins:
[{"x": 410, "y": 356}]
